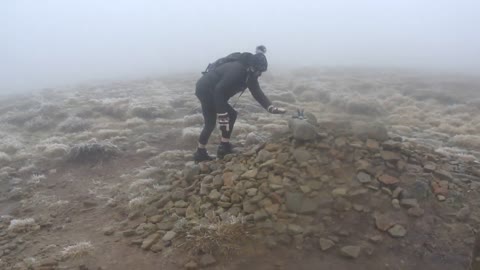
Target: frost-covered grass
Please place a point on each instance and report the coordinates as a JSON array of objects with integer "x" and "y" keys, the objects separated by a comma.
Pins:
[
  {"x": 92, "y": 151},
  {"x": 77, "y": 250},
  {"x": 74, "y": 124},
  {"x": 22, "y": 225}
]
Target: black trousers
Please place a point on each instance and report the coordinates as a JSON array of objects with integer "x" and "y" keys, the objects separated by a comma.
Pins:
[{"x": 204, "y": 93}]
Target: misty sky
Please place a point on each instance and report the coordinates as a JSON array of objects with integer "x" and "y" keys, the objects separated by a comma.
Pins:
[{"x": 47, "y": 43}]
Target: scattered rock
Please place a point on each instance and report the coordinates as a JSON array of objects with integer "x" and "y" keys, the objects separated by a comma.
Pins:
[
  {"x": 301, "y": 155},
  {"x": 302, "y": 130},
  {"x": 252, "y": 192},
  {"x": 190, "y": 171},
  {"x": 351, "y": 251},
  {"x": 383, "y": 222},
  {"x": 430, "y": 167},
  {"x": 260, "y": 215},
  {"x": 388, "y": 179},
  {"x": 89, "y": 204},
  {"x": 409, "y": 203},
  {"x": 364, "y": 178},
  {"x": 207, "y": 260},
  {"x": 252, "y": 138},
  {"x": 441, "y": 198},
  {"x": 396, "y": 192},
  {"x": 150, "y": 241},
  {"x": 128, "y": 233},
  {"x": 396, "y": 204},
  {"x": 178, "y": 194},
  {"x": 294, "y": 229},
  {"x": 109, "y": 230},
  {"x": 229, "y": 179},
  {"x": 157, "y": 247},
  {"x": 169, "y": 236},
  {"x": 249, "y": 207},
  {"x": 297, "y": 202},
  {"x": 443, "y": 175},
  {"x": 390, "y": 156},
  {"x": 415, "y": 212},
  {"x": 463, "y": 214},
  {"x": 440, "y": 187},
  {"x": 214, "y": 195},
  {"x": 325, "y": 244},
  {"x": 263, "y": 155},
  {"x": 376, "y": 238},
  {"x": 340, "y": 191},
  {"x": 397, "y": 231},
  {"x": 372, "y": 144},
  {"x": 250, "y": 174},
  {"x": 191, "y": 265}
]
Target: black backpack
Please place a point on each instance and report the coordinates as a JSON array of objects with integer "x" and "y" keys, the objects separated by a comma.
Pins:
[{"x": 244, "y": 58}]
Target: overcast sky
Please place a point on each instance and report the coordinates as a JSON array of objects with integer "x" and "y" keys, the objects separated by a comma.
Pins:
[{"x": 47, "y": 43}]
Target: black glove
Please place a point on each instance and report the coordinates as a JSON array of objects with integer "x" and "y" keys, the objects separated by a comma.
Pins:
[
  {"x": 275, "y": 110},
  {"x": 223, "y": 120}
]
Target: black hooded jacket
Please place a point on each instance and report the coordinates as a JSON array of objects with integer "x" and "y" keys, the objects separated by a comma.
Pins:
[{"x": 226, "y": 81}]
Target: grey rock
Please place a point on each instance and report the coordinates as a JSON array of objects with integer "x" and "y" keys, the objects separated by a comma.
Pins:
[
  {"x": 301, "y": 155},
  {"x": 325, "y": 244},
  {"x": 409, "y": 203},
  {"x": 248, "y": 207},
  {"x": 351, "y": 251},
  {"x": 364, "y": 177},
  {"x": 294, "y": 229},
  {"x": 169, "y": 236},
  {"x": 252, "y": 139},
  {"x": 397, "y": 231},
  {"x": 214, "y": 195},
  {"x": 109, "y": 230},
  {"x": 178, "y": 194},
  {"x": 191, "y": 265},
  {"x": 218, "y": 181},
  {"x": 463, "y": 214},
  {"x": 260, "y": 215},
  {"x": 128, "y": 233},
  {"x": 294, "y": 201},
  {"x": 419, "y": 190},
  {"x": 390, "y": 156},
  {"x": 157, "y": 247},
  {"x": 190, "y": 171},
  {"x": 150, "y": 241},
  {"x": 207, "y": 260},
  {"x": 415, "y": 212},
  {"x": 252, "y": 192},
  {"x": 263, "y": 155},
  {"x": 302, "y": 130}
]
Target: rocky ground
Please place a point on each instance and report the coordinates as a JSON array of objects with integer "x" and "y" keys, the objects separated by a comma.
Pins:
[{"x": 382, "y": 173}]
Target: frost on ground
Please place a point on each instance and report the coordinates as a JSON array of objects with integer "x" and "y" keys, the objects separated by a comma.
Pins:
[
  {"x": 92, "y": 151},
  {"x": 76, "y": 251},
  {"x": 22, "y": 225}
]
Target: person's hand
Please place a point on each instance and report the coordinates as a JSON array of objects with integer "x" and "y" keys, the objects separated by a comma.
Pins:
[
  {"x": 275, "y": 110},
  {"x": 223, "y": 120}
]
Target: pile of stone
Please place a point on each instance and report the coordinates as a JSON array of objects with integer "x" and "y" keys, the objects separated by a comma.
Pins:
[{"x": 308, "y": 195}]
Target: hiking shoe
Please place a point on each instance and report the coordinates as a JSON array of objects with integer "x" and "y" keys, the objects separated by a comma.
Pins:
[
  {"x": 201, "y": 155},
  {"x": 224, "y": 149}
]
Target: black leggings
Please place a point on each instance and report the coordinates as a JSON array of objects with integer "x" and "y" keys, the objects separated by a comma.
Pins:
[{"x": 210, "y": 116}]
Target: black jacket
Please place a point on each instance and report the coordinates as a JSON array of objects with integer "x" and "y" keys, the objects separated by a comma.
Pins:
[{"x": 226, "y": 81}]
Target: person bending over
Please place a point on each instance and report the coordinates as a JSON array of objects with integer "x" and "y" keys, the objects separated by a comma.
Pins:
[{"x": 221, "y": 81}]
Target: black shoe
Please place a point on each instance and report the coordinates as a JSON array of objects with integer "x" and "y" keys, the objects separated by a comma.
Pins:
[
  {"x": 201, "y": 155},
  {"x": 224, "y": 149}
]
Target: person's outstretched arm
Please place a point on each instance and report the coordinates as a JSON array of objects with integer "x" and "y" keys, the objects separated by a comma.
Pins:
[{"x": 260, "y": 97}]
